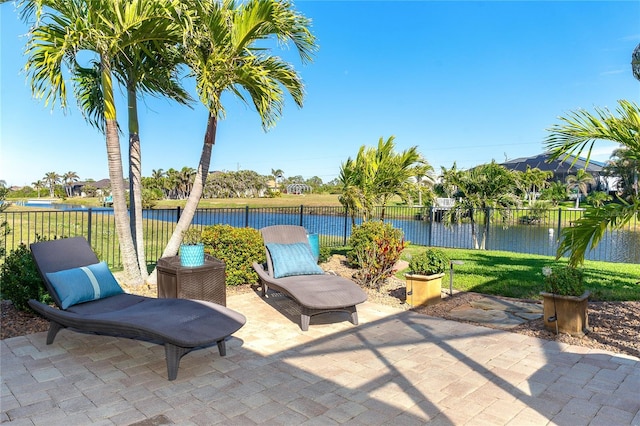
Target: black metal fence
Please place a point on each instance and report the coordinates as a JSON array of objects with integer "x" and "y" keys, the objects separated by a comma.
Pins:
[{"x": 516, "y": 230}]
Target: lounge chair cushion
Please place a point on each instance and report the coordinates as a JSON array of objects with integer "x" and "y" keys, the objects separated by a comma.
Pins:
[
  {"x": 78, "y": 285},
  {"x": 292, "y": 259}
]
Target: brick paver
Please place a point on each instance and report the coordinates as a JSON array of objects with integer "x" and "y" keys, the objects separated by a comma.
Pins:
[{"x": 396, "y": 367}]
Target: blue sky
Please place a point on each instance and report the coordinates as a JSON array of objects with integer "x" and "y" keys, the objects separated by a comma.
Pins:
[{"x": 466, "y": 82}]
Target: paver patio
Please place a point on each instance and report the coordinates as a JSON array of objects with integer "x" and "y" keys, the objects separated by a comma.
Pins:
[{"x": 396, "y": 367}]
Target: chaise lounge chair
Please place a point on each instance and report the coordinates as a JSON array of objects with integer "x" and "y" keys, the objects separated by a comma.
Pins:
[
  {"x": 292, "y": 270},
  {"x": 90, "y": 300}
]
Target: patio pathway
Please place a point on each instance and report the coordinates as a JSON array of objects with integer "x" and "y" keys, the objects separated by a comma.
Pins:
[
  {"x": 502, "y": 313},
  {"x": 396, "y": 368}
]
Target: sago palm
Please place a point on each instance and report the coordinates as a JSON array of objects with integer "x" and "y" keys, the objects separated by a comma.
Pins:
[{"x": 578, "y": 132}]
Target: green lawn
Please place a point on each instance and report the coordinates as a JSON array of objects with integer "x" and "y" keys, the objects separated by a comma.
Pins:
[
  {"x": 285, "y": 200},
  {"x": 520, "y": 275}
]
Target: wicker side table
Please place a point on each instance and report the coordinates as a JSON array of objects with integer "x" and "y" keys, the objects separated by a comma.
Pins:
[{"x": 206, "y": 282}]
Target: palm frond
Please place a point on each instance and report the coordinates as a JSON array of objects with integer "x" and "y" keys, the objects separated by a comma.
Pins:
[{"x": 587, "y": 231}]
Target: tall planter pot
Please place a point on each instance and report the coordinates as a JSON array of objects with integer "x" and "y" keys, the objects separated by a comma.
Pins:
[
  {"x": 571, "y": 312},
  {"x": 424, "y": 290},
  {"x": 192, "y": 255}
]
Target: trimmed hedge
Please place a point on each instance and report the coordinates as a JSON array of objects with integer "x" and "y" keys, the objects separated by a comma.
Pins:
[{"x": 238, "y": 248}]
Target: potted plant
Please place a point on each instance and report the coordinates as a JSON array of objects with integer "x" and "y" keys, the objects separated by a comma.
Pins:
[
  {"x": 424, "y": 282},
  {"x": 565, "y": 300},
  {"x": 192, "y": 248}
]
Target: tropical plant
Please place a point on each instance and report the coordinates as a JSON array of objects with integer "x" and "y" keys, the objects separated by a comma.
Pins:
[
  {"x": 555, "y": 193},
  {"x": 376, "y": 175},
  {"x": 225, "y": 51},
  {"x": 51, "y": 179},
  {"x": 423, "y": 174},
  {"x": 38, "y": 185},
  {"x": 192, "y": 236},
  {"x": 625, "y": 169},
  {"x": 238, "y": 248},
  {"x": 598, "y": 198},
  {"x": 146, "y": 67},
  {"x": 20, "y": 279},
  {"x": 429, "y": 262},
  {"x": 68, "y": 179},
  {"x": 486, "y": 191},
  {"x": 533, "y": 181},
  {"x": 116, "y": 32},
  {"x": 375, "y": 249},
  {"x": 580, "y": 183},
  {"x": 577, "y": 132},
  {"x": 563, "y": 280},
  {"x": 277, "y": 174}
]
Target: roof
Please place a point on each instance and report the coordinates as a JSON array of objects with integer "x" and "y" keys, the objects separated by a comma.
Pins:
[{"x": 557, "y": 166}]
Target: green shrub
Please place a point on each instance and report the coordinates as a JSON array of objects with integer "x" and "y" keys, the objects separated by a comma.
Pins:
[
  {"x": 20, "y": 280},
  {"x": 364, "y": 234},
  {"x": 238, "y": 248},
  {"x": 375, "y": 249},
  {"x": 429, "y": 262},
  {"x": 563, "y": 280},
  {"x": 325, "y": 252}
]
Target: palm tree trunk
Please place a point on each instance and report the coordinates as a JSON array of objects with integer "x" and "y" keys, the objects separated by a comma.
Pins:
[
  {"x": 485, "y": 231},
  {"x": 114, "y": 159},
  {"x": 474, "y": 235},
  {"x": 196, "y": 193},
  {"x": 135, "y": 183}
]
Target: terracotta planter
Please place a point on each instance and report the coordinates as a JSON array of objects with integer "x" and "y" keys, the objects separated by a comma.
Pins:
[
  {"x": 423, "y": 290},
  {"x": 571, "y": 313}
]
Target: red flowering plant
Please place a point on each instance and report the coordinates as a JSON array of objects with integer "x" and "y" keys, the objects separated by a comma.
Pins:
[{"x": 377, "y": 255}]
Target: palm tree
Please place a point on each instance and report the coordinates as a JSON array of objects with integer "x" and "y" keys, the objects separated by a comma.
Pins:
[
  {"x": 171, "y": 183},
  {"x": 393, "y": 171},
  {"x": 577, "y": 132},
  {"x": 351, "y": 196},
  {"x": 625, "y": 168},
  {"x": 277, "y": 174},
  {"x": 109, "y": 29},
  {"x": 423, "y": 173},
  {"x": 225, "y": 52},
  {"x": 489, "y": 190},
  {"x": 580, "y": 182},
  {"x": 149, "y": 67},
  {"x": 38, "y": 185},
  {"x": 51, "y": 179},
  {"x": 357, "y": 178},
  {"x": 376, "y": 175},
  {"x": 555, "y": 192},
  {"x": 69, "y": 178},
  {"x": 533, "y": 181}
]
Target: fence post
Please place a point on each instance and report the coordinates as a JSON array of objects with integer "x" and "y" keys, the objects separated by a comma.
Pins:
[
  {"x": 246, "y": 216},
  {"x": 177, "y": 214},
  {"x": 432, "y": 216},
  {"x": 346, "y": 220},
  {"x": 301, "y": 213},
  {"x": 559, "y": 221},
  {"x": 487, "y": 220},
  {"x": 90, "y": 211}
]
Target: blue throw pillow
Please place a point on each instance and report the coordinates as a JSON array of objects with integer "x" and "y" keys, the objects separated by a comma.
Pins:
[
  {"x": 84, "y": 284},
  {"x": 292, "y": 259}
]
